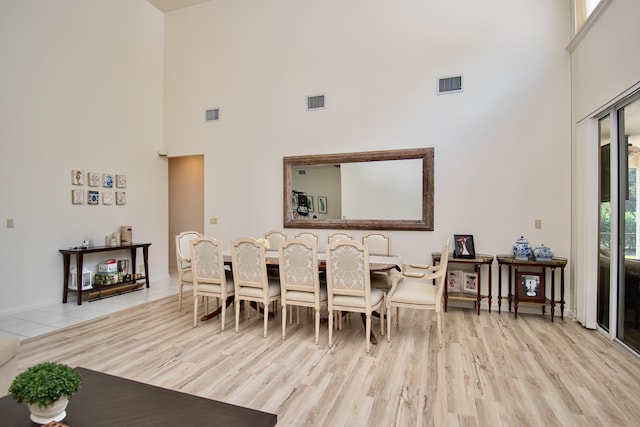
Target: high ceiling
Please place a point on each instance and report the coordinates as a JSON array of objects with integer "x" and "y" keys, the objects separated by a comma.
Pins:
[{"x": 169, "y": 5}]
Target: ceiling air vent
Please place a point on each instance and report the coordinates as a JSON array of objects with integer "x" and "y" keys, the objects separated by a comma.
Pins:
[
  {"x": 451, "y": 84},
  {"x": 212, "y": 115},
  {"x": 315, "y": 102}
]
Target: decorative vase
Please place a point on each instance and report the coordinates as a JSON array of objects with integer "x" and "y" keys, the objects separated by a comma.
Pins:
[
  {"x": 522, "y": 249},
  {"x": 543, "y": 253},
  {"x": 54, "y": 412}
]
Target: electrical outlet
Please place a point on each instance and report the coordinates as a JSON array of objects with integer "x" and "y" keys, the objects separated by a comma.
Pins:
[{"x": 538, "y": 223}]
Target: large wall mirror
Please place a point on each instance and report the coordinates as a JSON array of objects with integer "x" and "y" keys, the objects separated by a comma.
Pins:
[{"x": 373, "y": 190}]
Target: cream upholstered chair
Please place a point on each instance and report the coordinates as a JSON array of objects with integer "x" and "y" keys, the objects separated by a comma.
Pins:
[
  {"x": 349, "y": 284},
  {"x": 183, "y": 261},
  {"x": 379, "y": 244},
  {"x": 339, "y": 236},
  {"x": 275, "y": 238},
  {"x": 300, "y": 281},
  {"x": 250, "y": 277},
  {"x": 209, "y": 274},
  {"x": 310, "y": 237},
  {"x": 414, "y": 288}
]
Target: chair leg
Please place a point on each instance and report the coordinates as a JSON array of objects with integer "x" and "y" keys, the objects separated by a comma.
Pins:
[
  {"x": 439, "y": 326},
  {"x": 388, "y": 324},
  {"x": 180, "y": 297},
  {"x": 223, "y": 309},
  {"x": 330, "y": 327},
  {"x": 237, "y": 305},
  {"x": 284, "y": 319},
  {"x": 266, "y": 318},
  {"x": 195, "y": 311},
  {"x": 368, "y": 330},
  {"x": 317, "y": 324}
]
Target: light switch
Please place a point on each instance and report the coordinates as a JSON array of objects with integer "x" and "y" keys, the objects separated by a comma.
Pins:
[
  {"x": 538, "y": 223},
  {"x": 9, "y": 222},
  {"x": 213, "y": 220}
]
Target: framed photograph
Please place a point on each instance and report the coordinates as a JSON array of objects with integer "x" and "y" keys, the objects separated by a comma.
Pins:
[
  {"x": 77, "y": 197},
  {"x": 470, "y": 284},
  {"x": 454, "y": 281},
  {"x": 77, "y": 177},
  {"x": 107, "y": 180},
  {"x": 121, "y": 181},
  {"x": 107, "y": 197},
  {"x": 94, "y": 179},
  {"x": 93, "y": 197},
  {"x": 463, "y": 246},
  {"x": 530, "y": 286},
  {"x": 322, "y": 204},
  {"x": 310, "y": 203},
  {"x": 121, "y": 198}
]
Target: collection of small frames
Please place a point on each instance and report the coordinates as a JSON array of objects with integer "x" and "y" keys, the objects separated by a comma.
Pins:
[{"x": 95, "y": 179}]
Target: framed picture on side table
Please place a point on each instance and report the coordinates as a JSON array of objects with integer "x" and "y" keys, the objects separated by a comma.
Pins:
[
  {"x": 530, "y": 286},
  {"x": 463, "y": 246},
  {"x": 454, "y": 281},
  {"x": 470, "y": 284}
]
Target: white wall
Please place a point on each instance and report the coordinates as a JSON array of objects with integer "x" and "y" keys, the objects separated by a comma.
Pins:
[
  {"x": 502, "y": 147},
  {"x": 604, "y": 67},
  {"x": 81, "y": 84}
]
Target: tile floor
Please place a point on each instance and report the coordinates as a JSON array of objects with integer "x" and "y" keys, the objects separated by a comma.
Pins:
[{"x": 39, "y": 321}]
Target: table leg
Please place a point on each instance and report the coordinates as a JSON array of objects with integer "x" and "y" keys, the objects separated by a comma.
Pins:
[
  {"x": 510, "y": 295},
  {"x": 145, "y": 256},
  {"x": 490, "y": 285},
  {"x": 66, "y": 259},
  {"x": 499, "y": 287},
  {"x": 134, "y": 252},
  {"x": 515, "y": 294},
  {"x": 478, "y": 297},
  {"x": 79, "y": 260},
  {"x": 562, "y": 293},
  {"x": 553, "y": 291}
]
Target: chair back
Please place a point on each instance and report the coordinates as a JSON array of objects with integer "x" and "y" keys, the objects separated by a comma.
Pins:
[
  {"x": 207, "y": 263},
  {"x": 248, "y": 264},
  {"x": 275, "y": 238},
  {"x": 335, "y": 237},
  {"x": 183, "y": 256},
  {"x": 377, "y": 243},
  {"x": 348, "y": 271},
  {"x": 299, "y": 271},
  {"x": 313, "y": 238}
]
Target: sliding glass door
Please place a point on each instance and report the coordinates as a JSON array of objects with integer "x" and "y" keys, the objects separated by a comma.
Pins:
[{"x": 619, "y": 269}]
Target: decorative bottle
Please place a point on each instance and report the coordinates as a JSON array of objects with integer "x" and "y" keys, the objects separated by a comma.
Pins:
[
  {"x": 522, "y": 249},
  {"x": 543, "y": 253}
]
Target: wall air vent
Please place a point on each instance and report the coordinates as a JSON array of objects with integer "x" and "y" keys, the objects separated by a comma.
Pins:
[
  {"x": 315, "y": 102},
  {"x": 212, "y": 115},
  {"x": 450, "y": 84}
]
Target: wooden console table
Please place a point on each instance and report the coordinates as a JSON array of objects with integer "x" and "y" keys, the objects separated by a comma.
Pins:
[
  {"x": 477, "y": 262},
  {"x": 514, "y": 265},
  {"x": 79, "y": 254}
]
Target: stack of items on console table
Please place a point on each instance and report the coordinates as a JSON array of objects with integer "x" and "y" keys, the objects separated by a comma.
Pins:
[{"x": 107, "y": 274}]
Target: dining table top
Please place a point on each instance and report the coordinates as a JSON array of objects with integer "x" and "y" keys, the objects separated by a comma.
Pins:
[{"x": 376, "y": 262}]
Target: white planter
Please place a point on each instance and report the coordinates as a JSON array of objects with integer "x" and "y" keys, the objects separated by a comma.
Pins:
[{"x": 54, "y": 412}]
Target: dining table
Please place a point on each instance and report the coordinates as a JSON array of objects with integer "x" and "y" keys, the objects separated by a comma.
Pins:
[{"x": 377, "y": 263}]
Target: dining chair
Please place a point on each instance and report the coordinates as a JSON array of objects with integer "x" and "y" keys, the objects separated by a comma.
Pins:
[
  {"x": 300, "y": 280},
  {"x": 349, "y": 285},
  {"x": 339, "y": 236},
  {"x": 209, "y": 275},
  {"x": 419, "y": 287},
  {"x": 379, "y": 244},
  {"x": 184, "y": 261},
  {"x": 313, "y": 238},
  {"x": 250, "y": 277},
  {"x": 275, "y": 238}
]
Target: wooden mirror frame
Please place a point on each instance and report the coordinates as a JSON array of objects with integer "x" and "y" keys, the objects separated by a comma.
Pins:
[{"x": 423, "y": 224}]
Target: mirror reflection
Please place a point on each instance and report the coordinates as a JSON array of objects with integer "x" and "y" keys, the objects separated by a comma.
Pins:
[{"x": 369, "y": 190}]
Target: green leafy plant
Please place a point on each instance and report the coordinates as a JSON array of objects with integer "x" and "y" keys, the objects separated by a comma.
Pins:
[{"x": 45, "y": 383}]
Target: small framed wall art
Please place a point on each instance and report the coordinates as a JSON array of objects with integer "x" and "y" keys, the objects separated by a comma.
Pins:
[
  {"x": 77, "y": 177},
  {"x": 121, "y": 198},
  {"x": 322, "y": 204},
  {"x": 93, "y": 197},
  {"x": 77, "y": 197},
  {"x": 94, "y": 179},
  {"x": 121, "y": 181},
  {"x": 107, "y": 180},
  {"x": 107, "y": 197}
]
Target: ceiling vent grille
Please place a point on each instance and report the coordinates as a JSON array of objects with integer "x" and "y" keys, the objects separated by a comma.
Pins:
[
  {"x": 315, "y": 102},
  {"x": 212, "y": 115},
  {"x": 450, "y": 84}
]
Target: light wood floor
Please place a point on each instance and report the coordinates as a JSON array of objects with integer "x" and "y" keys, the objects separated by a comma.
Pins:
[{"x": 494, "y": 370}]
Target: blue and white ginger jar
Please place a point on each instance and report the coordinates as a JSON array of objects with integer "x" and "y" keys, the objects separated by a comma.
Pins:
[
  {"x": 543, "y": 253},
  {"x": 522, "y": 249}
]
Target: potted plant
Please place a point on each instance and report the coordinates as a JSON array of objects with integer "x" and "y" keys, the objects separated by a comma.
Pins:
[{"x": 46, "y": 388}]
